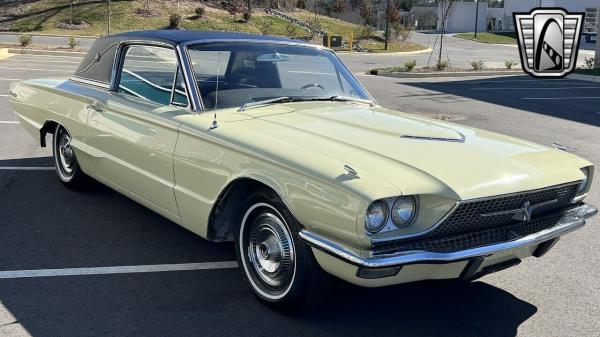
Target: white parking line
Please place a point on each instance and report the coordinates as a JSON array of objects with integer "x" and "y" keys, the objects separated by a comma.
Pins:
[
  {"x": 9, "y": 79},
  {"x": 536, "y": 88},
  {"x": 8, "y": 122},
  {"x": 14, "y": 274},
  {"x": 26, "y": 168},
  {"x": 559, "y": 98}
]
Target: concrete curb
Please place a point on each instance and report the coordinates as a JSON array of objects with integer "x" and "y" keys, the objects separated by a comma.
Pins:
[
  {"x": 445, "y": 74},
  {"x": 582, "y": 77},
  {"x": 492, "y": 43},
  {"x": 45, "y": 52},
  {"x": 400, "y": 53}
]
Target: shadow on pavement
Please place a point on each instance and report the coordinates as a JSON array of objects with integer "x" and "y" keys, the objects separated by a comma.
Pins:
[
  {"x": 510, "y": 93},
  {"x": 217, "y": 303}
]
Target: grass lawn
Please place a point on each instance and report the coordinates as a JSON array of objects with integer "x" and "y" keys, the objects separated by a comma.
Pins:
[
  {"x": 43, "y": 16},
  {"x": 488, "y": 37},
  {"x": 594, "y": 72}
]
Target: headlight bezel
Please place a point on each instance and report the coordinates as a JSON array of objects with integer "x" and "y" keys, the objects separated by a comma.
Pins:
[
  {"x": 415, "y": 210},
  {"x": 584, "y": 184},
  {"x": 386, "y": 209},
  {"x": 389, "y": 225}
]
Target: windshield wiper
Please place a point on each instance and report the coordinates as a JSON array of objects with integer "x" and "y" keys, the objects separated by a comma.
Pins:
[
  {"x": 286, "y": 99},
  {"x": 282, "y": 99}
]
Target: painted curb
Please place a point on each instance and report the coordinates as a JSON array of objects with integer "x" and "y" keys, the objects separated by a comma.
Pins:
[
  {"x": 3, "y": 53},
  {"x": 45, "y": 52},
  {"x": 446, "y": 74}
]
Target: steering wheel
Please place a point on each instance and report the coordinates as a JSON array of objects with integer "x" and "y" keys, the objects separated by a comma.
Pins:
[{"x": 310, "y": 85}]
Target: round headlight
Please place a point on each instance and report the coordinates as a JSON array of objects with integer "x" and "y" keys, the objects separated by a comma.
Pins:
[
  {"x": 404, "y": 211},
  {"x": 376, "y": 216}
]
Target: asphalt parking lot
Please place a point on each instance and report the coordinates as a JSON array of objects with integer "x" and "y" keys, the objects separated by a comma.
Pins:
[{"x": 168, "y": 282}]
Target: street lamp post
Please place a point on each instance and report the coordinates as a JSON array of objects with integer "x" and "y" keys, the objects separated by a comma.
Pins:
[
  {"x": 387, "y": 25},
  {"x": 476, "y": 16}
]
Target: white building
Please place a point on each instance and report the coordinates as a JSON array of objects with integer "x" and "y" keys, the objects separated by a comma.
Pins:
[{"x": 501, "y": 18}]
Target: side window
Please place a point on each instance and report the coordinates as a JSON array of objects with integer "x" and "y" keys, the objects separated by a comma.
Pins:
[{"x": 150, "y": 73}]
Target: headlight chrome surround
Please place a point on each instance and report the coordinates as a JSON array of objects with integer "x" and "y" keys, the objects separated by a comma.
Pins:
[
  {"x": 584, "y": 183},
  {"x": 377, "y": 216},
  {"x": 404, "y": 211}
]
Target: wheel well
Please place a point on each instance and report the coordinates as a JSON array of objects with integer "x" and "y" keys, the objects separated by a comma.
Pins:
[
  {"x": 49, "y": 127},
  {"x": 223, "y": 216}
]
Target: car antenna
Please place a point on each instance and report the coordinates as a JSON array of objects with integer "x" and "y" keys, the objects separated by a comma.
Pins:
[{"x": 214, "y": 124}]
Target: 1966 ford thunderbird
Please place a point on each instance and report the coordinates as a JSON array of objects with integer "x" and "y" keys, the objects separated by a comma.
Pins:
[{"x": 272, "y": 143}]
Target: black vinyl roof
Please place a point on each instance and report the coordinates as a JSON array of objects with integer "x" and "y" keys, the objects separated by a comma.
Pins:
[
  {"x": 97, "y": 64},
  {"x": 176, "y": 37}
]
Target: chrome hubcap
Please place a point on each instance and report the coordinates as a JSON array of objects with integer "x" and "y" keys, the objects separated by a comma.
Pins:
[
  {"x": 270, "y": 250},
  {"x": 65, "y": 153}
]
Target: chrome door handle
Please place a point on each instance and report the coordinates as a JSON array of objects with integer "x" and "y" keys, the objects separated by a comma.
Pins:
[{"x": 94, "y": 108}]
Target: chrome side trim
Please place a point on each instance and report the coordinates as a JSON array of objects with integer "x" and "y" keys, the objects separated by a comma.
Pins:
[
  {"x": 94, "y": 83},
  {"x": 573, "y": 219},
  {"x": 436, "y": 139}
]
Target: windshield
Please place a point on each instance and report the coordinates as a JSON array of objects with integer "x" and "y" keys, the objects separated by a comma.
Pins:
[{"x": 246, "y": 72}]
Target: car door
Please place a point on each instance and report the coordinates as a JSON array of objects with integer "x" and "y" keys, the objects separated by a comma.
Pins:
[{"x": 133, "y": 130}]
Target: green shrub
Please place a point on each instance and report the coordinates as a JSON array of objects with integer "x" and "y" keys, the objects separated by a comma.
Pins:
[
  {"x": 410, "y": 65},
  {"x": 477, "y": 65},
  {"x": 199, "y": 11},
  {"x": 25, "y": 39},
  {"x": 72, "y": 42},
  {"x": 174, "y": 21},
  {"x": 247, "y": 15},
  {"x": 366, "y": 31},
  {"x": 441, "y": 65},
  {"x": 265, "y": 26},
  {"x": 509, "y": 64}
]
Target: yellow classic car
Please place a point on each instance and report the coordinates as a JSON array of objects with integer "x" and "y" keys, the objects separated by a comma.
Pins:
[{"x": 273, "y": 144}]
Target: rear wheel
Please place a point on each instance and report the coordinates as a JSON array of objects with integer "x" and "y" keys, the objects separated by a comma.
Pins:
[
  {"x": 280, "y": 269},
  {"x": 67, "y": 167}
]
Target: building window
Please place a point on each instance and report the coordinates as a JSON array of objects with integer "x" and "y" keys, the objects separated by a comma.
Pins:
[{"x": 591, "y": 19}]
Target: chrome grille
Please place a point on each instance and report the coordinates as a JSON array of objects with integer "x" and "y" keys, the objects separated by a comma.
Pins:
[
  {"x": 468, "y": 215},
  {"x": 467, "y": 228},
  {"x": 457, "y": 242}
]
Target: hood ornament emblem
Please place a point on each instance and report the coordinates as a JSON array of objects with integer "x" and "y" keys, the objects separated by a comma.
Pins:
[
  {"x": 350, "y": 171},
  {"x": 524, "y": 212}
]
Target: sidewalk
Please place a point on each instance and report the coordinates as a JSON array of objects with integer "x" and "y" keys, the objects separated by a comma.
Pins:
[{"x": 50, "y": 40}]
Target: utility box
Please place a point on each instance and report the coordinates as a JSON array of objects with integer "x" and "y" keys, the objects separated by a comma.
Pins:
[{"x": 336, "y": 41}]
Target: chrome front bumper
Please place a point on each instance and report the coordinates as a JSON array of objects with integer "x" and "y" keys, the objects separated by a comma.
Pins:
[{"x": 573, "y": 219}]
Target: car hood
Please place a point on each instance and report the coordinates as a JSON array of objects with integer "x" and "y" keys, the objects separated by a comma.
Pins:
[{"x": 416, "y": 155}]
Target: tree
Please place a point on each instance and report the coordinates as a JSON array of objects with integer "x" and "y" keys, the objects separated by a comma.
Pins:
[
  {"x": 108, "y": 2},
  {"x": 71, "y": 3},
  {"x": 405, "y": 5},
  {"x": 367, "y": 12},
  {"x": 234, "y": 7},
  {"x": 597, "y": 55},
  {"x": 446, "y": 8}
]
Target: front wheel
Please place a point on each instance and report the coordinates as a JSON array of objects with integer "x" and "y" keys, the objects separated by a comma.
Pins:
[{"x": 280, "y": 269}]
